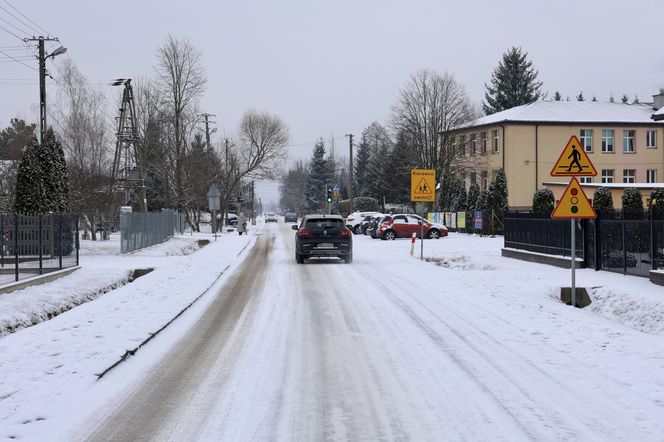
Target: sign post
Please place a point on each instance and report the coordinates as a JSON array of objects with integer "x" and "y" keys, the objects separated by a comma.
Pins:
[
  {"x": 574, "y": 204},
  {"x": 422, "y": 189}
]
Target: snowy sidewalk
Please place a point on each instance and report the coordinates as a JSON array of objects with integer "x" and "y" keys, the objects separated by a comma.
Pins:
[{"x": 57, "y": 357}]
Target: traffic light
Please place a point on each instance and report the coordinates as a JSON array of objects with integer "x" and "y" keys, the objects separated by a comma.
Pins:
[{"x": 329, "y": 195}]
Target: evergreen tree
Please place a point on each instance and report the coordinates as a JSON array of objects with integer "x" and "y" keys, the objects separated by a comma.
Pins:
[
  {"x": 513, "y": 83},
  {"x": 15, "y": 138},
  {"x": 603, "y": 201},
  {"x": 625, "y": 99},
  {"x": 612, "y": 99},
  {"x": 361, "y": 168},
  {"x": 632, "y": 201},
  {"x": 580, "y": 97},
  {"x": 30, "y": 191},
  {"x": 55, "y": 175},
  {"x": 543, "y": 201},
  {"x": 484, "y": 202},
  {"x": 447, "y": 193},
  {"x": 557, "y": 96},
  {"x": 473, "y": 196},
  {"x": 460, "y": 203},
  {"x": 657, "y": 196},
  {"x": 498, "y": 192},
  {"x": 317, "y": 179},
  {"x": 636, "y": 100},
  {"x": 396, "y": 171}
]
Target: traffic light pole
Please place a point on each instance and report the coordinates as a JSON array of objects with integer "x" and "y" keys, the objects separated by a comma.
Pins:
[{"x": 573, "y": 224}]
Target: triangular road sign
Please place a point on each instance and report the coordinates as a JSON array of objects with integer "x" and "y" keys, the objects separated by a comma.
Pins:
[
  {"x": 573, "y": 204},
  {"x": 423, "y": 188},
  {"x": 573, "y": 161}
]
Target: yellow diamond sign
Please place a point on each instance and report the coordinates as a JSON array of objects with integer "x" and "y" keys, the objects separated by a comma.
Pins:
[
  {"x": 423, "y": 185},
  {"x": 573, "y": 204}
]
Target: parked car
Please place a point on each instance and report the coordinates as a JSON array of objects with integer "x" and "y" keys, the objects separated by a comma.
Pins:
[
  {"x": 270, "y": 217},
  {"x": 372, "y": 230},
  {"x": 231, "y": 219},
  {"x": 323, "y": 236},
  {"x": 290, "y": 217},
  {"x": 404, "y": 225},
  {"x": 354, "y": 220}
]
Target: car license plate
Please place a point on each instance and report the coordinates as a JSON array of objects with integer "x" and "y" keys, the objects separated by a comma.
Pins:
[{"x": 325, "y": 245}]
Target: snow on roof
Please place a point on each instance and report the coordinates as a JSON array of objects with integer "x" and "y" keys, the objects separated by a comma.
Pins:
[
  {"x": 658, "y": 115},
  {"x": 569, "y": 112}
]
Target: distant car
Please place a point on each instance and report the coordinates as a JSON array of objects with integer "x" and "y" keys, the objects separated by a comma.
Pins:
[
  {"x": 323, "y": 236},
  {"x": 290, "y": 217},
  {"x": 404, "y": 225},
  {"x": 231, "y": 219},
  {"x": 355, "y": 219},
  {"x": 270, "y": 217}
]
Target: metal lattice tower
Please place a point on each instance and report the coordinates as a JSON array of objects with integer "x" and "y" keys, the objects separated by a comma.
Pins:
[{"x": 128, "y": 170}]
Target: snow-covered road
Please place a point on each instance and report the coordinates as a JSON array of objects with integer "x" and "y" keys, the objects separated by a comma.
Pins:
[{"x": 390, "y": 348}]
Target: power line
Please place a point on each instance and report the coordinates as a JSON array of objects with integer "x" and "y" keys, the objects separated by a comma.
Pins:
[
  {"x": 14, "y": 26},
  {"x": 10, "y": 32},
  {"x": 25, "y": 17},
  {"x": 19, "y": 20},
  {"x": 19, "y": 61}
]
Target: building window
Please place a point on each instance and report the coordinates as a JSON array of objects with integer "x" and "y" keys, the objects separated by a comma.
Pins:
[
  {"x": 607, "y": 176},
  {"x": 651, "y": 139},
  {"x": 587, "y": 139},
  {"x": 628, "y": 141},
  {"x": 651, "y": 176},
  {"x": 473, "y": 177},
  {"x": 462, "y": 145},
  {"x": 485, "y": 180},
  {"x": 484, "y": 143},
  {"x": 629, "y": 175},
  {"x": 473, "y": 144},
  {"x": 585, "y": 179},
  {"x": 607, "y": 140},
  {"x": 495, "y": 140}
]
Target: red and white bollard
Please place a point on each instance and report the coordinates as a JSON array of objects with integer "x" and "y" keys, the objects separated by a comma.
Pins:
[{"x": 412, "y": 243}]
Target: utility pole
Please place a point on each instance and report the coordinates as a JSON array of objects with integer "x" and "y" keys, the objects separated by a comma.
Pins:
[
  {"x": 42, "y": 77},
  {"x": 207, "y": 127},
  {"x": 253, "y": 205},
  {"x": 350, "y": 186}
]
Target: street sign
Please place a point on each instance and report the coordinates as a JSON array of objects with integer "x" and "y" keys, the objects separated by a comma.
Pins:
[
  {"x": 213, "y": 197},
  {"x": 335, "y": 187},
  {"x": 574, "y": 204},
  {"x": 422, "y": 185},
  {"x": 573, "y": 161}
]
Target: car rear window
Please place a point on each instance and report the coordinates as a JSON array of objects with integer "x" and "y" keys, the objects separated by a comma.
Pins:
[{"x": 324, "y": 223}]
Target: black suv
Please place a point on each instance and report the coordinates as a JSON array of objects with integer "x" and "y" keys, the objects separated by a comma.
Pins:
[{"x": 323, "y": 236}]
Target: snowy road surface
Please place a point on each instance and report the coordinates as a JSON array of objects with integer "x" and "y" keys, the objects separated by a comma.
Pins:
[{"x": 389, "y": 348}]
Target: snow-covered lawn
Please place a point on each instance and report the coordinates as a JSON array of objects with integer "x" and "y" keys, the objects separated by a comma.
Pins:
[{"x": 45, "y": 370}]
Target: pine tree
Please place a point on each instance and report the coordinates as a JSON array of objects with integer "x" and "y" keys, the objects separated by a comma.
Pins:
[
  {"x": 632, "y": 201},
  {"x": 603, "y": 201},
  {"x": 484, "y": 202},
  {"x": 396, "y": 171},
  {"x": 30, "y": 191},
  {"x": 473, "y": 196},
  {"x": 625, "y": 99},
  {"x": 636, "y": 100},
  {"x": 15, "y": 138},
  {"x": 657, "y": 200},
  {"x": 557, "y": 96},
  {"x": 460, "y": 203},
  {"x": 498, "y": 192},
  {"x": 543, "y": 201},
  {"x": 580, "y": 97},
  {"x": 55, "y": 175},
  {"x": 361, "y": 168},
  {"x": 513, "y": 83},
  {"x": 317, "y": 179}
]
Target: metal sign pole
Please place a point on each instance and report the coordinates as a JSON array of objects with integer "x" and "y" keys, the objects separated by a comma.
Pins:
[
  {"x": 573, "y": 224},
  {"x": 422, "y": 237}
]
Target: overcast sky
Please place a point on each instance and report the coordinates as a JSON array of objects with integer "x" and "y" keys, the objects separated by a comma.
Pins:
[{"x": 328, "y": 68}]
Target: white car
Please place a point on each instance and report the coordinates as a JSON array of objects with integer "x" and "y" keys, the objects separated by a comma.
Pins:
[{"x": 270, "y": 217}]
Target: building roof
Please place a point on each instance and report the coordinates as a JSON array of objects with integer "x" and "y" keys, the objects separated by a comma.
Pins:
[
  {"x": 659, "y": 115},
  {"x": 574, "y": 112}
]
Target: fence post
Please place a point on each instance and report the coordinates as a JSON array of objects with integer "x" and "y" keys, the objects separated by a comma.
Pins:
[
  {"x": 624, "y": 242},
  {"x": 78, "y": 244},
  {"x": 16, "y": 246},
  {"x": 2, "y": 240},
  {"x": 40, "y": 245},
  {"x": 598, "y": 242},
  {"x": 653, "y": 248},
  {"x": 60, "y": 240}
]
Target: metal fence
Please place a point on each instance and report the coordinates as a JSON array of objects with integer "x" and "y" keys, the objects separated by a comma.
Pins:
[
  {"x": 631, "y": 244},
  {"x": 475, "y": 222},
  {"x": 140, "y": 229},
  {"x": 38, "y": 244}
]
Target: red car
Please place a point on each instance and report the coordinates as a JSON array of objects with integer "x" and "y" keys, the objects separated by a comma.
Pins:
[{"x": 404, "y": 225}]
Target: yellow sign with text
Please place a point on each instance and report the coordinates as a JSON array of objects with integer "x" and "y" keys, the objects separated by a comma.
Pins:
[{"x": 423, "y": 185}]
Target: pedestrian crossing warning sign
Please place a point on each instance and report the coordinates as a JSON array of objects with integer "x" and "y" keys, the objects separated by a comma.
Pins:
[
  {"x": 423, "y": 185},
  {"x": 573, "y": 161},
  {"x": 574, "y": 204}
]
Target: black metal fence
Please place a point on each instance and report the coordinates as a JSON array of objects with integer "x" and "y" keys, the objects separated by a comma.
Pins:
[
  {"x": 626, "y": 243},
  {"x": 142, "y": 229},
  {"x": 34, "y": 245}
]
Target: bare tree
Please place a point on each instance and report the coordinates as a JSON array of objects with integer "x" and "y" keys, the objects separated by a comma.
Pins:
[
  {"x": 86, "y": 138},
  {"x": 430, "y": 105},
  {"x": 182, "y": 81}
]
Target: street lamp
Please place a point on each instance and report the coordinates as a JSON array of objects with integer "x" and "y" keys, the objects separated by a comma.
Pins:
[{"x": 59, "y": 51}]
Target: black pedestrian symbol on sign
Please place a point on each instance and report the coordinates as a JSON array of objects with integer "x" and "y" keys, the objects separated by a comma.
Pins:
[
  {"x": 575, "y": 155},
  {"x": 423, "y": 187}
]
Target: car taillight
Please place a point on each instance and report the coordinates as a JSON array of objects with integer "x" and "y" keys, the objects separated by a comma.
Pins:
[
  {"x": 345, "y": 233},
  {"x": 303, "y": 233}
]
